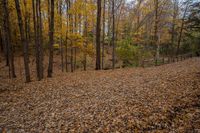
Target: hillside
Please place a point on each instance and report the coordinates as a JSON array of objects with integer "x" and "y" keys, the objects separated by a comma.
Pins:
[{"x": 164, "y": 98}]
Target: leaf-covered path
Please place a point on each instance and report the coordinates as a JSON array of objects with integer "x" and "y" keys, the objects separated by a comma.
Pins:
[{"x": 164, "y": 98}]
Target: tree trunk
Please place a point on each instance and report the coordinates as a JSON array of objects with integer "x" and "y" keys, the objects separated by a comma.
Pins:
[
  {"x": 36, "y": 40},
  {"x": 75, "y": 47},
  {"x": 51, "y": 40},
  {"x": 113, "y": 34},
  {"x": 37, "y": 21},
  {"x": 67, "y": 31},
  {"x": 173, "y": 23},
  {"x": 71, "y": 58},
  {"x": 9, "y": 47},
  {"x": 158, "y": 48},
  {"x": 41, "y": 52},
  {"x": 23, "y": 40},
  {"x": 181, "y": 30},
  {"x": 1, "y": 42},
  {"x": 26, "y": 27},
  {"x": 103, "y": 37},
  {"x": 156, "y": 29},
  {"x": 5, "y": 43},
  {"x": 75, "y": 52},
  {"x": 86, "y": 42},
  {"x": 98, "y": 38},
  {"x": 61, "y": 44},
  {"x": 109, "y": 22},
  {"x": 71, "y": 27}
]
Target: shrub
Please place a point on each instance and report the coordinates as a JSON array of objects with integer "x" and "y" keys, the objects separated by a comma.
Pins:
[{"x": 131, "y": 55}]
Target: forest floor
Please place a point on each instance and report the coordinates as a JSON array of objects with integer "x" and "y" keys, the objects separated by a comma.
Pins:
[{"x": 156, "y": 99}]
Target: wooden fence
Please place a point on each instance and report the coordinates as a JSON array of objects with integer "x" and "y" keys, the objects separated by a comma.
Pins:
[{"x": 169, "y": 59}]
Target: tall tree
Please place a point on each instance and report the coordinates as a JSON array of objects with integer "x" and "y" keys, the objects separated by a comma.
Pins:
[
  {"x": 71, "y": 16},
  {"x": 75, "y": 31},
  {"x": 86, "y": 36},
  {"x": 182, "y": 26},
  {"x": 61, "y": 39},
  {"x": 41, "y": 55},
  {"x": 113, "y": 34},
  {"x": 98, "y": 36},
  {"x": 67, "y": 32},
  {"x": 4, "y": 44},
  {"x": 23, "y": 41},
  {"x": 175, "y": 13},
  {"x": 37, "y": 21},
  {"x": 156, "y": 4},
  {"x": 26, "y": 16},
  {"x": 36, "y": 39},
  {"x": 7, "y": 33},
  {"x": 103, "y": 37},
  {"x": 51, "y": 39}
]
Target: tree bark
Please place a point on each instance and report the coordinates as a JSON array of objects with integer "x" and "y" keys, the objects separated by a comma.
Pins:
[
  {"x": 36, "y": 40},
  {"x": 5, "y": 44},
  {"x": 156, "y": 29},
  {"x": 86, "y": 42},
  {"x": 71, "y": 44},
  {"x": 23, "y": 40},
  {"x": 98, "y": 38},
  {"x": 26, "y": 26},
  {"x": 173, "y": 21},
  {"x": 41, "y": 52},
  {"x": 181, "y": 30},
  {"x": 1, "y": 42},
  {"x": 9, "y": 47},
  {"x": 75, "y": 47},
  {"x": 51, "y": 40},
  {"x": 61, "y": 44},
  {"x": 71, "y": 58},
  {"x": 37, "y": 21},
  {"x": 67, "y": 31},
  {"x": 113, "y": 34},
  {"x": 103, "y": 37}
]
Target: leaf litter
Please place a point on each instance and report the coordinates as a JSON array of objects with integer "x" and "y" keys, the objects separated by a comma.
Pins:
[{"x": 157, "y": 99}]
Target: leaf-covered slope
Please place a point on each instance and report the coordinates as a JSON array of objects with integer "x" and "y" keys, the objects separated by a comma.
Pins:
[{"x": 164, "y": 98}]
